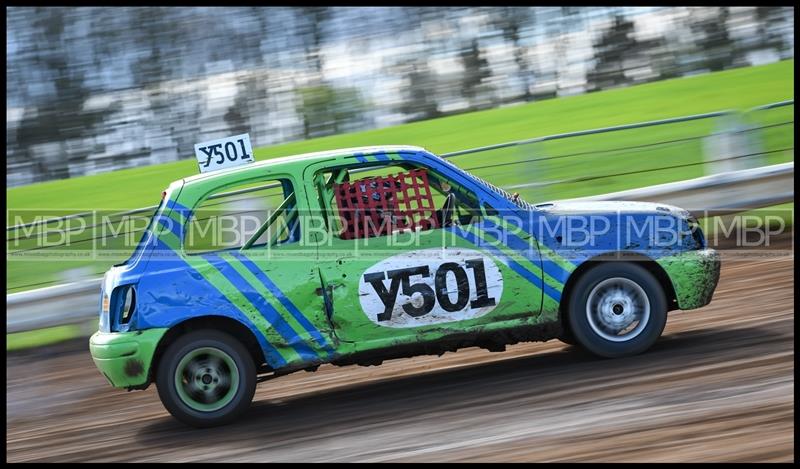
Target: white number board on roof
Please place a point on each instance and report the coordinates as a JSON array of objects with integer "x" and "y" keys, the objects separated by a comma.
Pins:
[{"x": 224, "y": 153}]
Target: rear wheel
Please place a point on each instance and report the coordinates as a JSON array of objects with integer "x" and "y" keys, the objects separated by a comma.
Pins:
[
  {"x": 617, "y": 309},
  {"x": 206, "y": 378}
]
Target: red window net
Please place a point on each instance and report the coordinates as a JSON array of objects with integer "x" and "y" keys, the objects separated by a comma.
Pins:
[{"x": 377, "y": 206}]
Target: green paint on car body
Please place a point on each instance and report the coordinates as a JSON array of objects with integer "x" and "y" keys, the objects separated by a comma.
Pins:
[
  {"x": 125, "y": 358},
  {"x": 694, "y": 276},
  {"x": 235, "y": 296},
  {"x": 257, "y": 285}
]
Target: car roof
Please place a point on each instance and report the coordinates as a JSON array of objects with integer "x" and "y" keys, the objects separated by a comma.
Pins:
[{"x": 309, "y": 157}]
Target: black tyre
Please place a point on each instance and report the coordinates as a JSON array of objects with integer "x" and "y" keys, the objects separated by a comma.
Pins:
[
  {"x": 566, "y": 335},
  {"x": 206, "y": 378},
  {"x": 617, "y": 309},
  {"x": 567, "y": 338}
]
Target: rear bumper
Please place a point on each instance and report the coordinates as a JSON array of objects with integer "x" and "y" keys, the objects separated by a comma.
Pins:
[
  {"x": 694, "y": 276},
  {"x": 124, "y": 358}
]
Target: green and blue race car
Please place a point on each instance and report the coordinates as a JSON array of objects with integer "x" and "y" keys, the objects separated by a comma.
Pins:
[{"x": 362, "y": 255}]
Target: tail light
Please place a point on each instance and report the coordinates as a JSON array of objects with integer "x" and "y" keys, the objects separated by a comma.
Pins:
[
  {"x": 128, "y": 305},
  {"x": 122, "y": 306}
]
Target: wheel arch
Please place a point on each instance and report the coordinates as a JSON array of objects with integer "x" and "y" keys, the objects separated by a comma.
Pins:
[
  {"x": 617, "y": 256},
  {"x": 235, "y": 328}
]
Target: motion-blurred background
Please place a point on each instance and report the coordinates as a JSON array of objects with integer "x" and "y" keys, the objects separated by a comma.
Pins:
[{"x": 91, "y": 90}]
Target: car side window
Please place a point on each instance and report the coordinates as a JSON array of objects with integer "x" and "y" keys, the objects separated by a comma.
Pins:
[
  {"x": 252, "y": 215},
  {"x": 379, "y": 200}
]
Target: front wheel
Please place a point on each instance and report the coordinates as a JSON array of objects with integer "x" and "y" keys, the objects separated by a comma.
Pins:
[
  {"x": 567, "y": 337},
  {"x": 617, "y": 309},
  {"x": 206, "y": 378}
]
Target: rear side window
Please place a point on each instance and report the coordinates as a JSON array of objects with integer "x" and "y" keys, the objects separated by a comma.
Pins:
[{"x": 253, "y": 214}]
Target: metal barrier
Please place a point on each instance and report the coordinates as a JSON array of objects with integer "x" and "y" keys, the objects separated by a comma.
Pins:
[
  {"x": 718, "y": 194},
  {"x": 58, "y": 305}
]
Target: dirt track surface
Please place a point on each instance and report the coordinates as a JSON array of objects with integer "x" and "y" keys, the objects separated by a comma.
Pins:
[{"x": 718, "y": 386}]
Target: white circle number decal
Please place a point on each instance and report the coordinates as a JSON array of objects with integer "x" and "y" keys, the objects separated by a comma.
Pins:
[{"x": 430, "y": 286}]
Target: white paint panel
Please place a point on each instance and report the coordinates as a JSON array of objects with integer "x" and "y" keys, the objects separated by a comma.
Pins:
[
  {"x": 475, "y": 267},
  {"x": 224, "y": 153}
]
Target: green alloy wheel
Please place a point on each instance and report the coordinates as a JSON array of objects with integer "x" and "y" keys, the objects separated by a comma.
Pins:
[{"x": 206, "y": 378}]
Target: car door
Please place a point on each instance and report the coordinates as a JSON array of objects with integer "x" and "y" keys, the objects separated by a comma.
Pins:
[
  {"x": 420, "y": 284},
  {"x": 249, "y": 237}
]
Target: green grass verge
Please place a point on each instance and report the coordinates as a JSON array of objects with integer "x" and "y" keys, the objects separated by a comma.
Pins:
[{"x": 40, "y": 337}]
